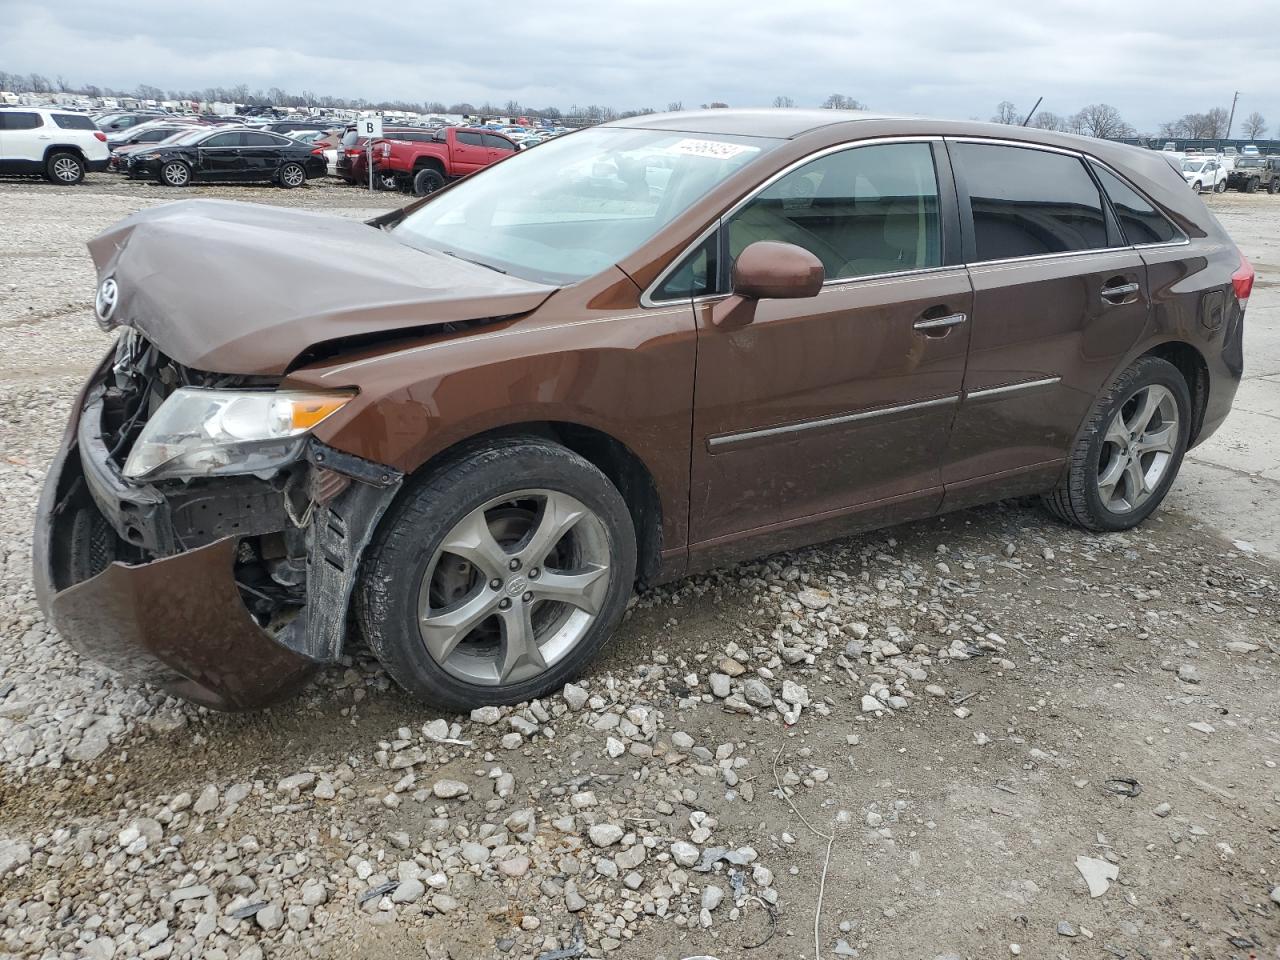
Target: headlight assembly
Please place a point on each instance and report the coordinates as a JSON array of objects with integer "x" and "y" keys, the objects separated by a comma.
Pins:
[{"x": 205, "y": 433}]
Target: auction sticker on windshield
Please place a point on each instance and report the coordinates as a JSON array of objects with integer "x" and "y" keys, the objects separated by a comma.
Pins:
[{"x": 714, "y": 149}]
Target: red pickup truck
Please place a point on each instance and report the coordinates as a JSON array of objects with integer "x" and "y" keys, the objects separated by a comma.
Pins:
[{"x": 424, "y": 166}]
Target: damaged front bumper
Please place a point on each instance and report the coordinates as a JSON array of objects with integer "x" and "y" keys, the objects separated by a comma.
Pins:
[{"x": 150, "y": 579}]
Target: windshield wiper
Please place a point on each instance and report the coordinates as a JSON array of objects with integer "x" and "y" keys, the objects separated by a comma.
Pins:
[{"x": 478, "y": 263}]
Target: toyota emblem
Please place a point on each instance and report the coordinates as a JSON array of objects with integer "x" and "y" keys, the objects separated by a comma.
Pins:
[{"x": 105, "y": 303}]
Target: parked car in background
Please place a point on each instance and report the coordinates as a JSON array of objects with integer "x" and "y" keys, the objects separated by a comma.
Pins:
[
  {"x": 146, "y": 132},
  {"x": 351, "y": 155},
  {"x": 297, "y": 126},
  {"x": 109, "y": 123},
  {"x": 145, "y": 139},
  {"x": 425, "y": 164},
  {"x": 328, "y": 142},
  {"x": 1204, "y": 173},
  {"x": 1252, "y": 172},
  {"x": 63, "y": 146},
  {"x": 470, "y": 427},
  {"x": 228, "y": 155}
]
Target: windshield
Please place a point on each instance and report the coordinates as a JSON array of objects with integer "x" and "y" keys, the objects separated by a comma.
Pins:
[
  {"x": 1249, "y": 162},
  {"x": 578, "y": 204},
  {"x": 1192, "y": 166},
  {"x": 199, "y": 133}
]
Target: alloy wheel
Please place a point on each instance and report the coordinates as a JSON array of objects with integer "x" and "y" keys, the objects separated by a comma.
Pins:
[
  {"x": 1138, "y": 448},
  {"x": 175, "y": 174},
  {"x": 66, "y": 169},
  {"x": 294, "y": 176},
  {"x": 514, "y": 587}
]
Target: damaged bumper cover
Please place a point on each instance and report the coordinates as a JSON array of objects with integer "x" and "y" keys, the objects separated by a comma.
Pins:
[{"x": 145, "y": 580}]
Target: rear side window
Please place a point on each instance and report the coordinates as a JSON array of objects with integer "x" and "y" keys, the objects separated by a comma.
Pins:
[
  {"x": 223, "y": 140},
  {"x": 1141, "y": 222},
  {"x": 259, "y": 140},
  {"x": 73, "y": 121},
  {"x": 1029, "y": 203},
  {"x": 13, "y": 120},
  {"x": 471, "y": 139}
]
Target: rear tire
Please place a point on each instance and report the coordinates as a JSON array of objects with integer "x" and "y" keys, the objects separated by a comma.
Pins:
[
  {"x": 386, "y": 181},
  {"x": 1220, "y": 187},
  {"x": 427, "y": 601},
  {"x": 1113, "y": 437},
  {"x": 65, "y": 168},
  {"x": 427, "y": 181},
  {"x": 291, "y": 175},
  {"x": 175, "y": 173}
]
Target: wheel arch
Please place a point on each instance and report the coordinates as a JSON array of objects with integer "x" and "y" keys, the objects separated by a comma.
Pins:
[
  {"x": 1191, "y": 364},
  {"x": 429, "y": 162},
  {"x": 65, "y": 148},
  {"x": 624, "y": 468}
]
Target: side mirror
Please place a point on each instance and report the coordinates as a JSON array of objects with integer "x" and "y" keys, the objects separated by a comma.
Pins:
[{"x": 767, "y": 270}]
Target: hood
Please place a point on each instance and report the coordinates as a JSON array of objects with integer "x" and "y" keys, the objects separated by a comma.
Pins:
[{"x": 242, "y": 288}]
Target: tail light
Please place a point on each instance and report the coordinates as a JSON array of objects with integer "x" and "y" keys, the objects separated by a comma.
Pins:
[
  {"x": 100, "y": 135},
  {"x": 386, "y": 149},
  {"x": 317, "y": 151},
  {"x": 1242, "y": 281}
]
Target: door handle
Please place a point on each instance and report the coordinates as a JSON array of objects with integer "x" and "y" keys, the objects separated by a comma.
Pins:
[
  {"x": 1119, "y": 293},
  {"x": 929, "y": 324}
]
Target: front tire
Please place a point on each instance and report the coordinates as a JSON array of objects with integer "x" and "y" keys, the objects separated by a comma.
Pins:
[
  {"x": 64, "y": 168},
  {"x": 1252, "y": 185},
  {"x": 1274, "y": 185},
  {"x": 1198, "y": 187},
  {"x": 497, "y": 576},
  {"x": 291, "y": 175},
  {"x": 1129, "y": 452},
  {"x": 426, "y": 181},
  {"x": 175, "y": 173}
]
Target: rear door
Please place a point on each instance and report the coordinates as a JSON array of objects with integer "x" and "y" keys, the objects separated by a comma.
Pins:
[
  {"x": 827, "y": 413},
  {"x": 221, "y": 156},
  {"x": 262, "y": 153},
  {"x": 469, "y": 152},
  {"x": 1059, "y": 300},
  {"x": 498, "y": 148}
]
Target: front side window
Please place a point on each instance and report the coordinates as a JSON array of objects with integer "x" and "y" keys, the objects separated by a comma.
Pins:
[
  {"x": 1028, "y": 202},
  {"x": 863, "y": 211},
  {"x": 1141, "y": 222},
  {"x": 578, "y": 204}
]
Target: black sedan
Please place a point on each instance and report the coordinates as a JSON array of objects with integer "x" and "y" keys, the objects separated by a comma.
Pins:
[{"x": 223, "y": 156}]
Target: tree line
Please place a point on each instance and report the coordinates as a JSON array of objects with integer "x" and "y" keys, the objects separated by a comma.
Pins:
[
  {"x": 1094, "y": 120},
  {"x": 1104, "y": 120}
]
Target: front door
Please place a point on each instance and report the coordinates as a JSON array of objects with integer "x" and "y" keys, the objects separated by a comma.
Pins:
[
  {"x": 221, "y": 157},
  {"x": 839, "y": 405},
  {"x": 1059, "y": 300},
  {"x": 469, "y": 152}
]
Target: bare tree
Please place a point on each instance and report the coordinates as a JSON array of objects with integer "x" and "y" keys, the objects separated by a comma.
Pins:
[
  {"x": 1006, "y": 112},
  {"x": 1255, "y": 125},
  {"x": 1048, "y": 120},
  {"x": 675, "y": 106},
  {"x": 783, "y": 102},
  {"x": 838, "y": 101},
  {"x": 1216, "y": 122},
  {"x": 1101, "y": 120}
]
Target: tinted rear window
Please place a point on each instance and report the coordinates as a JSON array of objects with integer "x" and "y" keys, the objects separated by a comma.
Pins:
[
  {"x": 14, "y": 120},
  {"x": 1141, "y": 222},
  {"x": 72, "y": 121},
  {"x": 1029, "y": 202}
]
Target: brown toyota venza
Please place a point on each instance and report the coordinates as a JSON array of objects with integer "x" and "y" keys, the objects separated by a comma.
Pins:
[{"x": 468, "y": 429}]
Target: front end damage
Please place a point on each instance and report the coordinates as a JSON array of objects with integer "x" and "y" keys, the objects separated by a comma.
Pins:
[{"x": 224, "y": 590}]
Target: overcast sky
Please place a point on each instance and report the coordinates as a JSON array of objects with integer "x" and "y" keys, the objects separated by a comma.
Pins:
[{"x": 1153, "y": 59}]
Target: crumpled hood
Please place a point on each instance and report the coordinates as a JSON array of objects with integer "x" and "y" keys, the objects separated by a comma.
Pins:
[{"x": 243, "y": 288}]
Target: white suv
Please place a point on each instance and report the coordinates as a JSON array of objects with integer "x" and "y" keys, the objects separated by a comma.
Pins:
[{"x": 58, "y": 144}]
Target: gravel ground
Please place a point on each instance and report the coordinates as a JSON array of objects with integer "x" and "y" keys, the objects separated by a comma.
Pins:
[{"x": 933, "y": 732}]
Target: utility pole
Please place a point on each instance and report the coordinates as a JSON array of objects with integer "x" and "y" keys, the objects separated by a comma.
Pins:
[{"x": 1232, "y": 119}]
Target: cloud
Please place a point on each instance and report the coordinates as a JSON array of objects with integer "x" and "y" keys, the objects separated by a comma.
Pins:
[{"x": 1153, "y": 60}]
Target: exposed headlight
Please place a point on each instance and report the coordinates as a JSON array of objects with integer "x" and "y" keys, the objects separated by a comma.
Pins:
[
  {"x": 149, "y": 156},
  {"x": 204, "y": 433}
]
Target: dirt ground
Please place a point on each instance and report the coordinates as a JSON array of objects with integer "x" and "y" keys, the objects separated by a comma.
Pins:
[{"x": 1129, "y": 712}]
